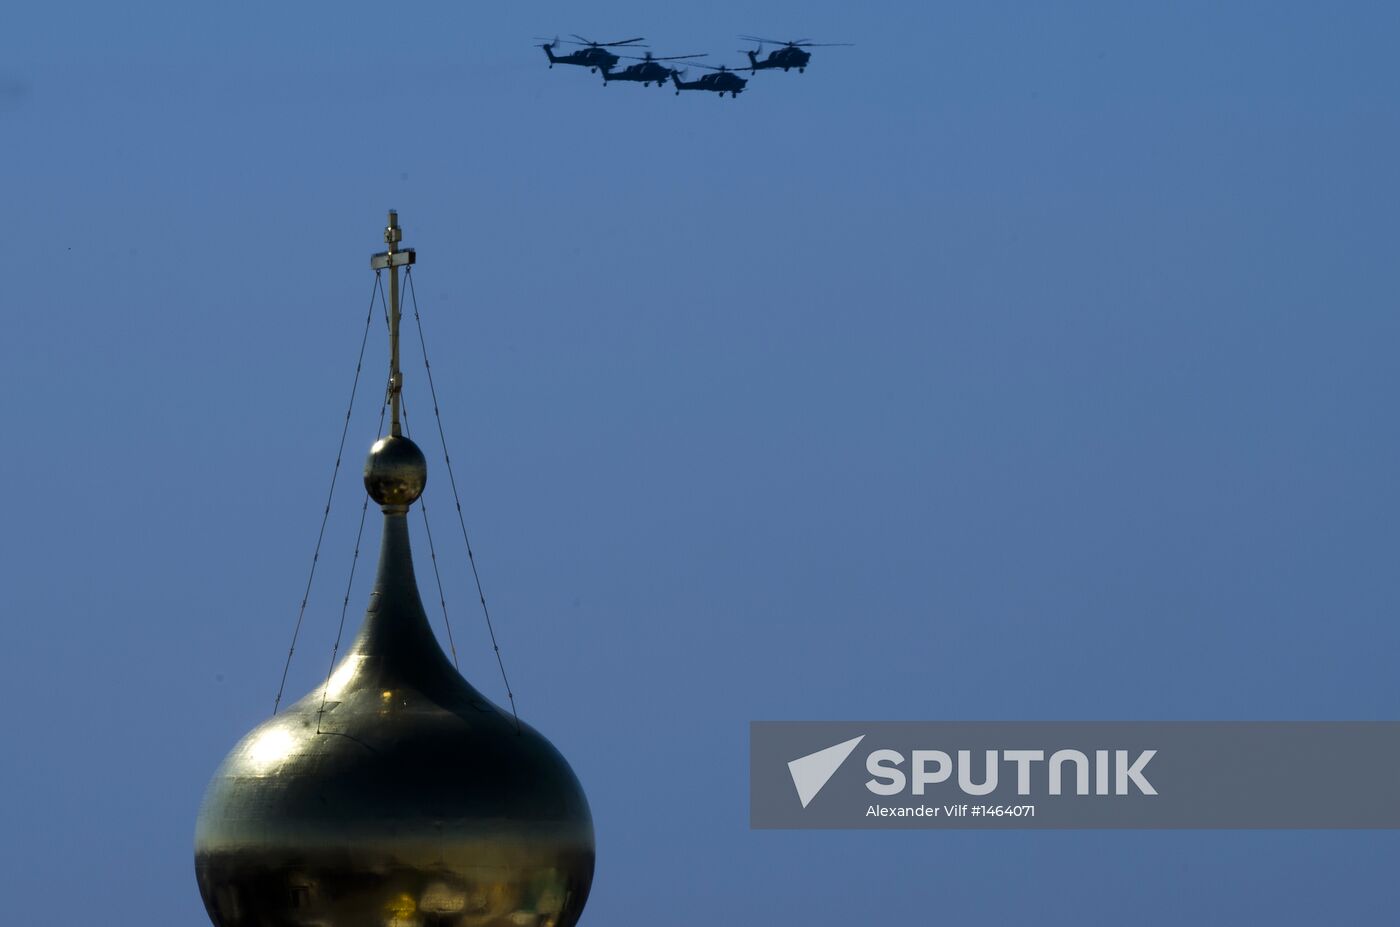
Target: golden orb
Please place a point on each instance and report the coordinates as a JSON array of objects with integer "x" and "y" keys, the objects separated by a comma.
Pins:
[{"x": 395, "y": 471}]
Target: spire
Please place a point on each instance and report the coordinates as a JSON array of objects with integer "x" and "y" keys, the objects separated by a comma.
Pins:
[{"x": 395, "y": 471}]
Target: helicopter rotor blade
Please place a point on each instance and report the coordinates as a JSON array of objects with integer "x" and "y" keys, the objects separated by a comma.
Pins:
[
  {"x": 719, "y": 67},
  {"x": 802, "y": 43},
  {"x": 654, "y": 58},
  {"x": 623, "y": 42}
]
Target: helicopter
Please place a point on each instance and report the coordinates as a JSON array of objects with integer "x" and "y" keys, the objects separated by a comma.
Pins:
[
  {"x": 790, "y": 55},
  {"x": 722, "y": 81},
  {"x": 593, "y": 55},
  {"x": 647, "y": 71}
]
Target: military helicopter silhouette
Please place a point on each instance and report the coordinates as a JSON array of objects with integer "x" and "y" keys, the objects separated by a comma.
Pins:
[
  {"x": 646, "y": 71},
  {"x": 593, "y": 55},
  {"x": 721, "y": 82},
  {"x": 789, "y": 55}
]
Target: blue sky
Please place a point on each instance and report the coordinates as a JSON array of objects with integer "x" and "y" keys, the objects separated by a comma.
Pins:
[{"x": 1023, "y": 361}]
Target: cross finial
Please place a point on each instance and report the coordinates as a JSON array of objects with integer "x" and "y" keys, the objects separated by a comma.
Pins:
[
  {"x": 392, "y": 260},
  {"x": 392, "y": 233}
]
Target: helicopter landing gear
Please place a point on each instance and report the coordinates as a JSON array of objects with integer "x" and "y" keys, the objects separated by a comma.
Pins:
[{"x": 801, "y": 70}]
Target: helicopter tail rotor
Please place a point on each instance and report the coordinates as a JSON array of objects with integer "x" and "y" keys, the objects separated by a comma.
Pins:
[{"x": 549, "y": 46}]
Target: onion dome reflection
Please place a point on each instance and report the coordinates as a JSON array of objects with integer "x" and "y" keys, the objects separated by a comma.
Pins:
[{"x": 396, "y": 795}]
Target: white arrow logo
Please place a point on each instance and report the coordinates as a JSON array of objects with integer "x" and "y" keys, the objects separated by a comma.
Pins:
[{"x": 811, "y": 772}]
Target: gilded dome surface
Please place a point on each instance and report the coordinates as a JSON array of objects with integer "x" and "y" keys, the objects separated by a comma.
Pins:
[{"x": 406, "y": 800}]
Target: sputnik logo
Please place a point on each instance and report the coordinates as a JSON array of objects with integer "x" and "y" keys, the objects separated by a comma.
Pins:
[{"x": 813, "y": 771}]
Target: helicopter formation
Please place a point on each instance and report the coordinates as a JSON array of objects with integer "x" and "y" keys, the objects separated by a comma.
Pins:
[{"x": 599, "y": 57}]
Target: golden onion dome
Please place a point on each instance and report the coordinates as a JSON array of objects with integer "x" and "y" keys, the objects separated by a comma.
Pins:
[
  {"x": 396, "y": 795},
  {"x": 409, "y": 800}
]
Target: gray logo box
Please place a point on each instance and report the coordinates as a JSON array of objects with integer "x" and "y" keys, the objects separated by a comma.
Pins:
[{"x": 1205, "y": 774}]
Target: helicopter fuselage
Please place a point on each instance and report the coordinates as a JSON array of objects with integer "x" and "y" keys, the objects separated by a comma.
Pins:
[
  {"x": 588, "y": 57},
  {"x": 720, "y": 82},
  {"x": 787, "y": 57},
  {"x": 644, "y": 72}
]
